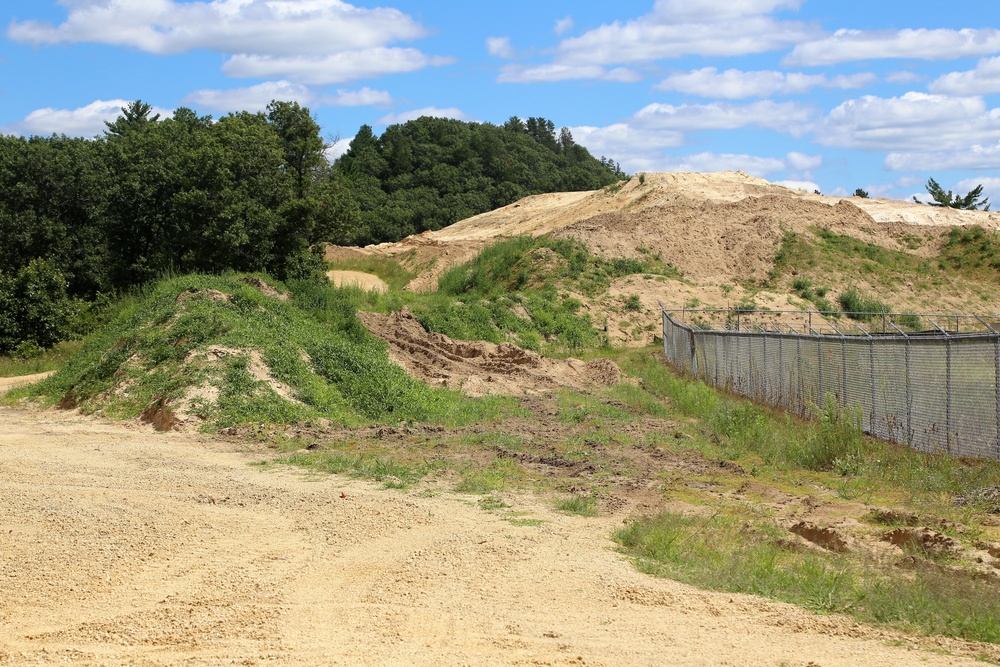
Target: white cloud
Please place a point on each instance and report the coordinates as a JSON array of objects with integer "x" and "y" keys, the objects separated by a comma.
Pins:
[
  {"x": 712, "y": 162},
  {"x": 921, "y": 44},
  {"x": 914, "y": 122},
  {"x": 87, "y": 121},
  {"x": 903, "y": 77},
  {"x": 991, "y": 187},
  {"x": 500, "y": 47},
  {"x": 973, "y": 156},
  {"x": 674, "y": 28},
  {"x": 783, "y": 117},
  {"x": 434, "y": 112},
  {"x": 622, "y": 137},
  {"x": 253, "y": 98},
  {"x": 280, "y": 27},
  {"x": 736, "y": 84},
  {"x": 564, "y": 25},
  {"x": 338, "y": 149},
  {"x": 289, "y": 39},
  {"x": 335, "y": 68},
  {"x": 555, "y": 72},
  {"x": 693, "y": 10},
  {"x": 365, "y": 97},
  {"x": 805, "y": 186},
  {"x": 984, "y": 79},
  {"x": 802, "y": 162}
]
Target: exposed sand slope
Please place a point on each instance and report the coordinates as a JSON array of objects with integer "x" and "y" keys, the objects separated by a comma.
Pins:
[
  {"x": 712, "y": 226},
  {"x": 365, "y": 281},
  {"x": 123, "y": 547}
]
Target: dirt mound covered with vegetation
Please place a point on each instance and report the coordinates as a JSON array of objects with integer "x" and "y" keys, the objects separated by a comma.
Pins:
[
  {"x": 216, "y": 352},
  {"x": 480, "y": 368}
]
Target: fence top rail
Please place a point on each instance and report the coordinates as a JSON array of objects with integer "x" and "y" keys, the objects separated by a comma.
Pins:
[
  {"x": 751, "y": 311},
  {"x": 938, "y": 333}
]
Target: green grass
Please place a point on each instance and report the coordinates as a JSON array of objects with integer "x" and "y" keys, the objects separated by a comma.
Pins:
[
  {"x": 314, "y": 345},
  {"x": 832, "y": 443},
  {"x": 578, "y": 505},
  {"x": 47, "y": 360},
  {"x": 728, "y": 552}
]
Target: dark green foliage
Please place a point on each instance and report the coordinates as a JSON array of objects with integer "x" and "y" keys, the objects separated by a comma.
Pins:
[
  {"x": 971, "y": 201},
  {"x": 428, "y": 173},
  {"x": 859, "y": 306},
  {"x": 155, "y": 197},
  {"x": 863, "y": 194},
  {"x": 35, "y": 312}
]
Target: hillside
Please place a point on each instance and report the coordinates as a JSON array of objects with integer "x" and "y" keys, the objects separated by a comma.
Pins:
[{"x": 724, "y": 233}]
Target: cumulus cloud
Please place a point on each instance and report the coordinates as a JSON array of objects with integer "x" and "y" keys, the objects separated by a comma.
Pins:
[
  {"x": 450, "y": 112},
  {"x": 922, "y": 44},
  {"x": 984, "y": 79},
  {"x": 290, "y": 39},
  {"x": 561, "y": 72},
  {"x": 564, "y": 25},
  {"x": 253, "y": 98},
  {"x": 86, "y": 121},
  {"x": 974, "y": 156},
  {"x": 365, "y": 97},
  {"x": 736, "y": 84},
  {"x": 914, "y": 122},
  {"x": 338, "y": 148},
  {"x": 783, "y": 117},
  {"x": 693, "y": 10},
  {"x": 335, "y": 68},
  {"x": 711, "y": 162},
  {"x": 805, "y": 186},
  {"x": 903, "y": 76},
  {"x": 499, "y": 47},
  {"x": 801, "y": 162},
  {"x": 674, "y": 28}
]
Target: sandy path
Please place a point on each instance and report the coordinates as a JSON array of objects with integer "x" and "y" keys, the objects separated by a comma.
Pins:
[
  {"x": 11, "y": 382},
  {"x": 123, "y": 546}
]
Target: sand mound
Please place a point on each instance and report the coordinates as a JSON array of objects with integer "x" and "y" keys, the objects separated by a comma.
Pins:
[
  {"x": 365, "y": 281},
  {"x": 717, "y": 240},
  {"x": 480, "y": 368},
  {"x": 721, "y": 225}
]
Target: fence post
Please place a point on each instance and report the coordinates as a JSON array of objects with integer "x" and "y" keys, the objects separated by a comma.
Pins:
[
  {"x": 781, "y": 369},
  {"x": 819, "y": 368},
  {"x": 716, "y": 338},
  {"x": 947, "y": 352},
  {"x": 909, "y": 398},
  {"x": 802, "y": 382},
  {"x": 765, "y": 394}
]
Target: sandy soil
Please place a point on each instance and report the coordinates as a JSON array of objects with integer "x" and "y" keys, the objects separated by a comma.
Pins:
[
  {"x": 125, "y": 547},
  {"x": 10, "y": 383},
  {"x": 716, "y": 226},
  {"x": 479, "y": 368},
  {"x": 365, "y": 281}
]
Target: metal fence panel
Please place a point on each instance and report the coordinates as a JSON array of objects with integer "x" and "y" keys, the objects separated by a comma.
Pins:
[{"x": 934, "y": 392}]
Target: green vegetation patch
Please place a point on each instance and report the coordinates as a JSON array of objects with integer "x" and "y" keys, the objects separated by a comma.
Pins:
[
  {"x": 224, "y": 334},
  {"x": 727, "y": 552}
]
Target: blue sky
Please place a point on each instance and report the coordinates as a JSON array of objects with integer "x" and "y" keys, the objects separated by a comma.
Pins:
[{"x": 811, "y": 93}]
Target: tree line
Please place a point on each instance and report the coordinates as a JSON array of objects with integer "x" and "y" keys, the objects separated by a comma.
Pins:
[{"x": 82, "y": 218}]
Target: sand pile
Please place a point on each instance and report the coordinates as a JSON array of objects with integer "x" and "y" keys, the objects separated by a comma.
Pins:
[{"x": 480, "y": 368}]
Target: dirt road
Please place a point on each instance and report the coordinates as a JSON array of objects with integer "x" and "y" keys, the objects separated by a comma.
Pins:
[{"x": 123, "y": 546}]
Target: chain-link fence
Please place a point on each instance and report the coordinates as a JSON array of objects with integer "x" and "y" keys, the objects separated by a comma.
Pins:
[{"x": 933, "y": 390}]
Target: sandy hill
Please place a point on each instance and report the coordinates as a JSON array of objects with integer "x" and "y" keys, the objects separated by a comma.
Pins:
[{"x": 722, "y": 231}]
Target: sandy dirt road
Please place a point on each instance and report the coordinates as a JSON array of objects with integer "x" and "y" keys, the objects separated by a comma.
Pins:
[{"x": 122, "y": 546}]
